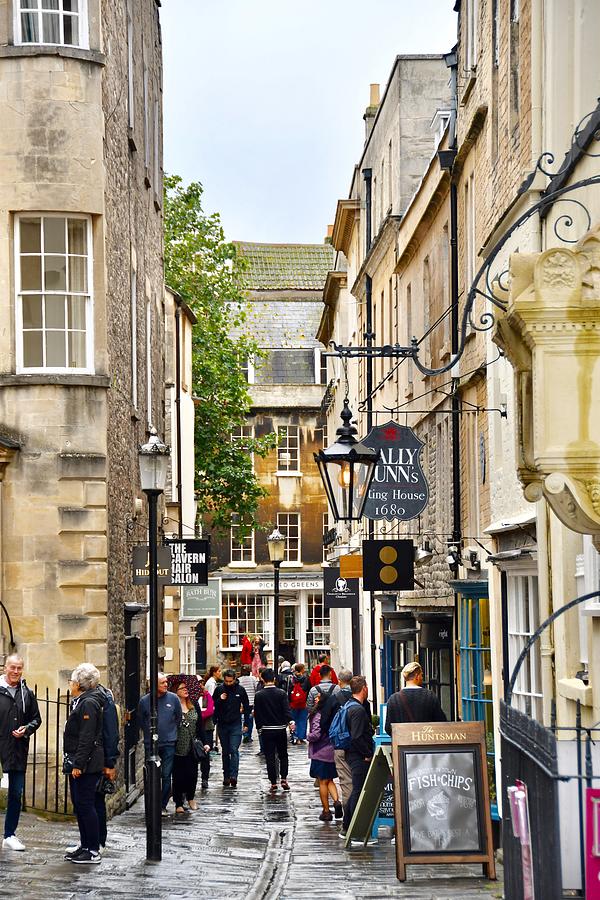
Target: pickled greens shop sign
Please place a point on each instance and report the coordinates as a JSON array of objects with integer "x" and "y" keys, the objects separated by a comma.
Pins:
[{"x": 399, "y": 489}]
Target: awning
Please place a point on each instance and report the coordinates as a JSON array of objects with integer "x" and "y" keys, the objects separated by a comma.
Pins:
[{"x": 511, "y": 523}]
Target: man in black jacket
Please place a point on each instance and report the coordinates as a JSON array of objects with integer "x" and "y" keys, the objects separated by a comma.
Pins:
[
  {"x": 415, "y": 703},
  {"x": 273, "y": 716},
  {"x": 230, "y": 701},
  {"x": 360, "y": 752},
  {"x": 19, "y": 718}
]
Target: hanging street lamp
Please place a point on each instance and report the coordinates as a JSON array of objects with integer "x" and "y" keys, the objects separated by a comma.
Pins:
[
  {"x": 347, "y": 469},
  {"x": 154, "y": 466},
  {"x": 276, "y": 545}
]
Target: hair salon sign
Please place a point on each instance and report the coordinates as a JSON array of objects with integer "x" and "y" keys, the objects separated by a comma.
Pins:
[{"x": 399, "y": 489}]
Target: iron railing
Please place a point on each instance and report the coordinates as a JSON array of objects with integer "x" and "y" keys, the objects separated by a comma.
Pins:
[{"x": 46, "y": 788}]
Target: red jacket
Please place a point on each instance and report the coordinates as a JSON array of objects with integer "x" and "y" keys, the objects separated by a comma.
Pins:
[
  {"x": 247, "y": 651},
  {"x": 315, "y": 675}
]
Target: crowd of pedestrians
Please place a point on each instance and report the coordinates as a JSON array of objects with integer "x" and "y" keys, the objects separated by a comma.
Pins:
[{"x": 201, "y": 717}]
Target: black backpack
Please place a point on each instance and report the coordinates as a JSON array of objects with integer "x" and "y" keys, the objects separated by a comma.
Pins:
[{"x": 328, "y": 706}]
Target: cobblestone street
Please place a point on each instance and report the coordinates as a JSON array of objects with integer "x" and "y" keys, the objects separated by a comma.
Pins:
[{"x": 240, "y": 844}]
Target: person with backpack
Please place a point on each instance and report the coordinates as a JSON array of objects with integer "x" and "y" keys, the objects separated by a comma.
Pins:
[
  {"x": 299, "y": 688},
  {"x": 338, "y": 701},
  {"x": 359, "y": 744},
  {"x": 414, "y": 703},
  {"x": 325, "y": 686},
  {"x": 84, "y": 759},
  {"x": 322, "y": 765}
]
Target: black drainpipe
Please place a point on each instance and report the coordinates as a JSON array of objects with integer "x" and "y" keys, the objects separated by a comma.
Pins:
[{"x": 178, "y": 411}]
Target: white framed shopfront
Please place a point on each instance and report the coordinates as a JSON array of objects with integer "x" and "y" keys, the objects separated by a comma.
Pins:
[{"x": 247, "y": 603}]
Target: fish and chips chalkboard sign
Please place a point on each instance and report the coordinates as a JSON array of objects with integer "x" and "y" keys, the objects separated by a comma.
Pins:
[
  {"x": 441, "y": 795},
  {"x": 399, "y": 489}
]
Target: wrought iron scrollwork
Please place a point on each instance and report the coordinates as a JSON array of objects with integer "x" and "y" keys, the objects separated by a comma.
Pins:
[{"x": 491, "y": 285}]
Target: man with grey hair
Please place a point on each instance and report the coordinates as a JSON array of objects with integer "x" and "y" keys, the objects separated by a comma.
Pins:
[
  {"x": 19, "y": 718},
  {"x": 169, "y": 719}
]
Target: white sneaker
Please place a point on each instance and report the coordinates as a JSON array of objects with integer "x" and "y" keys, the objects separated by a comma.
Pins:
[{"x": 13, "y": 843}]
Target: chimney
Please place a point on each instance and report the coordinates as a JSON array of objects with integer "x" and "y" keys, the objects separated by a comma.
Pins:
[
  {"x": 329, "y": 237},
  {"x": 371, "y": 110}
]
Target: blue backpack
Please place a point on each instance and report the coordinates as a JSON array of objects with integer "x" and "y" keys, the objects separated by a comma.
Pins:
[{"x": 339, "y": 735}]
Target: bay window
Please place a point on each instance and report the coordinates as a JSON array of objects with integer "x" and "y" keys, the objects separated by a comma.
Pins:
[
  {"x": 54, "y": 293},
  {"x": 60, "y": 22}
]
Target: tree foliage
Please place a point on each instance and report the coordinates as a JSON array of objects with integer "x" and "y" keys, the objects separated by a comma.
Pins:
[{"x": 204, "y": 269}]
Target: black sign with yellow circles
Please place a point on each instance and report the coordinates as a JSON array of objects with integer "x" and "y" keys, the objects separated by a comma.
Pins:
[{"x": 388, "y": 565}]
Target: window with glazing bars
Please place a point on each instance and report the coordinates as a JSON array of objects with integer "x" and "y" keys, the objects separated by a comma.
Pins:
[
  {"x": 243, "y": 613},
  {"x": 54, "y": 269},
  {"x": 317, "y": 625},
  {"x": 288, "y": 448},
  {"x": 523, "y": 621},
  {"x": 289, "y": 526},
  {"x": 242, "y": 548},
  {"x": 50, "y": 22}
]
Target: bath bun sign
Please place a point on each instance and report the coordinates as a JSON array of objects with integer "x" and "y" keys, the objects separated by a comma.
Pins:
[{"x": 399, "y": 489}]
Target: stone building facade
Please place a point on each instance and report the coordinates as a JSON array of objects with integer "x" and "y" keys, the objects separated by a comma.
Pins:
[
  {"x": 284, "y": 284},
  {"x": 402, "y": 131},
  {"x": 81, "y": 327}
]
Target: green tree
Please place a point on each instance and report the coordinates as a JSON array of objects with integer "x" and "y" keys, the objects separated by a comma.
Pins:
[{"x": 205, "y": 271}]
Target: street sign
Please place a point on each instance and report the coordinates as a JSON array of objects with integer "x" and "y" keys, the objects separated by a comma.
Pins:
[
  {"x": 399, "y": 489},
  {"x": 441, "y": 795},
  {"x": 141, "y": 565},
  {"x": 388, "y": 565},
  {"x": 338, "y": 592},
  {"x": 189, "y": 561},
  {"x": 351, "y": 565},
  {"x": 202, "y": 601}
]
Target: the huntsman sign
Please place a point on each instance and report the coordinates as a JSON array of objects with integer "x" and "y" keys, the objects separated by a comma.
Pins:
[{"x": 399, "y": 489}]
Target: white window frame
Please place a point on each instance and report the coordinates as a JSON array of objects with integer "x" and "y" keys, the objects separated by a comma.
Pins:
[
  {"x": 246, "y": 552},
  {"x": 134, "y": 332},
  {"x": 257, "y": 600},
  {"x": 284, "y": 447},
  {"x": 130, "y": 69},
  {"x": 89, "y": 308},
  {"x": 283, "y": 524},
  {"x": 82, "y": 16},
  {"x": 149, "y": 367},
  {"x": 528, "y": 701},
  {"x": 317, "y": 600},
  {"x": 242, "y": 433}
]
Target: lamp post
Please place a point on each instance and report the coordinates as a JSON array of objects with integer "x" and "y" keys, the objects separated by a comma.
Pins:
[
  {"x": 347, "y": 468},
  {"x": 154, "y": 464},
  {"x": 276, "y": 545}
]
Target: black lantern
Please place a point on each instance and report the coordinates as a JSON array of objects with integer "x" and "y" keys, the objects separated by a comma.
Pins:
[{"x": 347, "y": 469}]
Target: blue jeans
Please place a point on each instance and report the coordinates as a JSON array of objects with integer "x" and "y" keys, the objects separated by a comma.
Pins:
[
  {"x": 248, "y": 734},
  {"x": 16, "y": 783},
  {"x": 167, "y": 756},
  {"x": 230, "y": 735},
  {"x": 300, "y": 717},
  {"x": 83, "y": 794}
]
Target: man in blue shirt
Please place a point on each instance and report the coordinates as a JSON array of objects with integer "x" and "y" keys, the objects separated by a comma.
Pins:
[{"x": 169, "y": 718}]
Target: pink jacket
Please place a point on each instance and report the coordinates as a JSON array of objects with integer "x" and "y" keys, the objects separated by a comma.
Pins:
[
  {"x": 210, "y": 705},
  {"x": 319, "y": 745}
]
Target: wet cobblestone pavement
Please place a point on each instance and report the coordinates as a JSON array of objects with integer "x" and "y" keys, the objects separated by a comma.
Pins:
[{"x": 240, "y": 843}]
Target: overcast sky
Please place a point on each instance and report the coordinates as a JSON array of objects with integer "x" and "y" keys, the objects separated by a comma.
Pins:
[{"x": 264, "y": 100}]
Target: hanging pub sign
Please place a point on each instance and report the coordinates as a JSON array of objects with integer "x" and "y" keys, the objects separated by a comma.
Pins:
[
  {"x": 399, "y": 489},
  {"x": 202, "y": 601},
  {"x": 189, "y": 561},
  {"x": 388, "y": 565},
  {"x": 441, "y": 795},
  {"x": 141, "y": 565},
  {"x": 338, "y": 592}
]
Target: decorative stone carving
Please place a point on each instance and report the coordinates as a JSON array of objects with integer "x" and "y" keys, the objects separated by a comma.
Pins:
[{"x": 551, "y": 335}]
